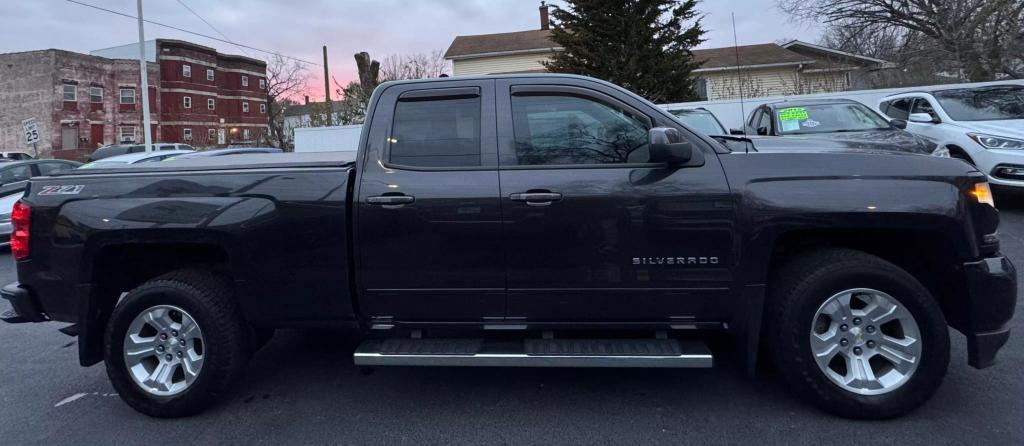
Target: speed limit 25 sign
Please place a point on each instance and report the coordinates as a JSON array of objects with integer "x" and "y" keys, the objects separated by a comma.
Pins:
[{"x": 31, "y": 131}]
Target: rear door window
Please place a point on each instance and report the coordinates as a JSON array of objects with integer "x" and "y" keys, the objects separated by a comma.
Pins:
[
  {"x": 15, "y": 174},
  {"x": 436, "y": 132},
  {"x": 53, "y": 167},
  {"x": 899, "y": 108}
]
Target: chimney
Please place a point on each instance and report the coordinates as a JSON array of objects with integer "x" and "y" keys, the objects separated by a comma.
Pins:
[
  {"x": 544, "y": 16},
  {"x": 307, "y": 99}
]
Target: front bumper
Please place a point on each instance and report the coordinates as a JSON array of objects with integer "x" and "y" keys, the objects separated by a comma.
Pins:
[
  {"x": 24, "y": 307},
  {"x": 992, "y": 289}
]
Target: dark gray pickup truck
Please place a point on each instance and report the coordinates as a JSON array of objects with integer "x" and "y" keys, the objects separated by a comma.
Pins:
[{"x": 527, "y": 220}]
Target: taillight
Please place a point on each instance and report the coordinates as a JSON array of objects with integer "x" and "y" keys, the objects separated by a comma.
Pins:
[{"x": 21, "y": 216}]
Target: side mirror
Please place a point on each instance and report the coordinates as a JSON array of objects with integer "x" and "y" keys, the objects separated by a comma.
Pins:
[
  {"x": 668, "y": 146},
  {"x": 736, "y": 132},
  {"x": 923, "y": 118},
  {"x": 899, "y": 123}
]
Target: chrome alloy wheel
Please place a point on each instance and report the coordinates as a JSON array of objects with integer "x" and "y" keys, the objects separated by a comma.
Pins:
[
  {"x": 865, "y": 341},
  {"x": 163, "y": 350}
]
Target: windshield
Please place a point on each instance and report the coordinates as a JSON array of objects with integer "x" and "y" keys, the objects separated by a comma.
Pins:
[
  {"x": 983, "y": 104},
  {"x": 700, "y": 121},
  {"x": 828, "y": 118},
  {"x": 102, "y": 164}
]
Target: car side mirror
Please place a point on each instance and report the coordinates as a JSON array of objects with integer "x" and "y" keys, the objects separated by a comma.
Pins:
[
  {"x": 923, "y": 118},
  {"x": 899, "y": 123},
  {"x": 668, "y": 146},
  {"x": 736, "y": 132}
]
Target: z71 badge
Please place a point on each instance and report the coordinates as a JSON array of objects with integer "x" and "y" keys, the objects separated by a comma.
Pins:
[{"x": 71, "y": 189}]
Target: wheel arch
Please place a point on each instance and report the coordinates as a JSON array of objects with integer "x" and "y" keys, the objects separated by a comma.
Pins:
[{"x": 119, "y": 267}]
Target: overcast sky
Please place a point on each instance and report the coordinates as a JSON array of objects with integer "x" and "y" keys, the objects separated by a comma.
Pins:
[{"x": 298, "y": 28}]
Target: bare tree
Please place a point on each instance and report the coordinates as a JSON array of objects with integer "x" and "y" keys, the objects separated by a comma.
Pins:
[
  {"x": 284, "y": 79},
  {"x": 356, "y": 94},
  {"x": 979, "y": 40},
  {"x": 413, "y": 66}
]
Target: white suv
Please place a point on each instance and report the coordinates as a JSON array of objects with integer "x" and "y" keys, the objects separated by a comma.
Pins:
[{"x": 981, "y": 125}]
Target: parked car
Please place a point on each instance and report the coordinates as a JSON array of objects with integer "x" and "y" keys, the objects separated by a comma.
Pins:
[
  {"x": 701, "y": 119},
  {"x": 134, "y": 158},
  {"x": 123, "y": 149},
  {"x": 14, "y": 176},
  {"x": 838, "y": 119},
  {"x": 16, "y": 156},
  {"x": 224, "y": 152},
  {"x": 523, "y": 220},
  {"x": 983, "y": 126}
]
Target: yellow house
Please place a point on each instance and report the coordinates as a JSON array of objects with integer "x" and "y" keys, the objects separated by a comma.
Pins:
[{"x": 752, "y": 71}]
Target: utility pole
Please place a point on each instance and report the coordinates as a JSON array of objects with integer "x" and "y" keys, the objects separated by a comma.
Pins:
[
  {"x": 327, "y": 92},
  {"x": 327, "y": 84},
  {"x": 144, "y": 75}
]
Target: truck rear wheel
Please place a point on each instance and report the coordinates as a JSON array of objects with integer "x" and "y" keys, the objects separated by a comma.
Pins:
[
  {"x": 175, "y": 344},
  {"x": 856, "y": 335}
]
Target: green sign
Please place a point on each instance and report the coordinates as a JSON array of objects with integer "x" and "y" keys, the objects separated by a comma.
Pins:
[{"x": 793, "y": 114}]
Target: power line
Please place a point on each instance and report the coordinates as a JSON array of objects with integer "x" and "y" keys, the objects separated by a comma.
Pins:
[
  {"x": 182, "y": 3},
  {"x": 191, "y": 32}
]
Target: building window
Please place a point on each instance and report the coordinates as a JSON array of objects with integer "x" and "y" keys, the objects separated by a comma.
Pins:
[
  {"x": 212, "y": 134},
  {"x": 263, "y": 84},
  {"x": 188, "y": 101},
  {"x": 96, "y": 94},
  {"x": 245, "y": 107},
  {"x": 187, "y": 134},
  {"x": 70, "y": 92},
  {"x": 209, "y": 74},
  {"x": 263, "y": 108},
  {"x": 127, "y": 95},
  {"x": 186, "y": 70},
  {"x": 245, "y": 80},
  {"x": 246, "y": 134},
  {"x": 126, "y": 134},
  {"x": 211, "y": 104}
]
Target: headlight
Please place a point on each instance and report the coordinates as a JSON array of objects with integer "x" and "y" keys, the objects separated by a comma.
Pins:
[{"x": 996, "y": 142}]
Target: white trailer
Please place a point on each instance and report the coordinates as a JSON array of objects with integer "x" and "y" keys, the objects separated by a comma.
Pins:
[{"x": 339, "y": 138}]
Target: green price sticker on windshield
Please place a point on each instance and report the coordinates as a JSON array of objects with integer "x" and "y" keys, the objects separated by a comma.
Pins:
[{"x": 793, "y": 114}]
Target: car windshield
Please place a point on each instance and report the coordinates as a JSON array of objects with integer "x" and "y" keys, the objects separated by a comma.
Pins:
[
  {"x": 983, "y": 104},
  {"x": 701, "y": 121},
  {"x": 828, "y": 118},
  {"x": 102, "y": 164}
]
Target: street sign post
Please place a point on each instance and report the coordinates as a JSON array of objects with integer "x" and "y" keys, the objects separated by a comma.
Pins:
[{"x": 31, "y": 135}]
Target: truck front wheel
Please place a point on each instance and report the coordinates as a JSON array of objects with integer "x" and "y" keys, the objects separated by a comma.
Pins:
[
  {"x": 175, "y": 344},
  {"x": 856, "y": 335}
]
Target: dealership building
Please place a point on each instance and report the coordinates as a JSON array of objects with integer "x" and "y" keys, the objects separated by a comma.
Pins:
[{"x": 83, "y": 101}]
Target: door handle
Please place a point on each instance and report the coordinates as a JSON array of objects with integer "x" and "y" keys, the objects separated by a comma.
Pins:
[
  {"x": 536, "y": 198},
  {"x": 391, "y": 199}
]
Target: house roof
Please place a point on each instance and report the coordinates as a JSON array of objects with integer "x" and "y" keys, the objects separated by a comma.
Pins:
[
  {"x": 748, "y": 55},
  {"x": 502, "y": 43},
  {"x": 826, "y": 53}
]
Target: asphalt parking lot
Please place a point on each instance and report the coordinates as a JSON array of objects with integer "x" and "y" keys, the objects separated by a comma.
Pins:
[{"x": 303, "y": 389}]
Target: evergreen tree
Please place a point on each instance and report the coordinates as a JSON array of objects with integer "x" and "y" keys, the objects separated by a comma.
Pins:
[{"x": 642, "y": 45}]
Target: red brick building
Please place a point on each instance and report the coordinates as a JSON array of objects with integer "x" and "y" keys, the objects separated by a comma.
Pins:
[{"x": 197, "y": 96}]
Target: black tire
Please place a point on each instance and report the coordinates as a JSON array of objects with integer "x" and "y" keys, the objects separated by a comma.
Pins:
[
  {"x": 209, "y": 300},
  {"x": 804, "y": 284}
]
